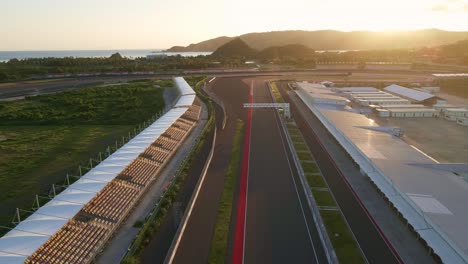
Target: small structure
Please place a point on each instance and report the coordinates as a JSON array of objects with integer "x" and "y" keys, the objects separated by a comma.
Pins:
[
  {"x": 404, "y": 106},
  {"x": 383, "y": 112},
  {"x": 328, "y": 83},
  {"x": 410, "y": 94},
  {"x": 383, "y": 102},
  {"x": 285, "y": 106},
  {"x": 462, "y": 121},
  {"x": 442, "y": 107},
  {"x": 413, "y": 112},
  {"x": 356, "y": 89},
  {"x": 453, "y": 113}
]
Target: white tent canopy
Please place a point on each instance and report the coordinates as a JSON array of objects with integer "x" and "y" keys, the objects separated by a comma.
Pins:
[{"x": 183, "y": 87}]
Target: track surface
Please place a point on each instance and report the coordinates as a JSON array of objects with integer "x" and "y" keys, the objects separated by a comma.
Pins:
[
  {"x": 373, "y": 244},
  {"x": 279, "y": 227},
  {"x": 194, "y": 246}
]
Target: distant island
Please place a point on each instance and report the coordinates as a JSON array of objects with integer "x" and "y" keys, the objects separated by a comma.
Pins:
[{"x": 334, "y": 40}]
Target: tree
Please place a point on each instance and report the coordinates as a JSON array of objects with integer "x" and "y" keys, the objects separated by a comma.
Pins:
[{"x": 116, "y": 56}]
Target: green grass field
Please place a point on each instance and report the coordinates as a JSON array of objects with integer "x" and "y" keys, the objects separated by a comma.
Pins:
[{"x": 42, "y": 138}]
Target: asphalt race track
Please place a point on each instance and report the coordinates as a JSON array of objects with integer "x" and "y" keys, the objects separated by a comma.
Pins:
[
  {"x": 194, "y": 246},
  {"x": 371, "y": 241},
  {"x": 278, "y": 224},
  {"x": 279, "y": 227}
]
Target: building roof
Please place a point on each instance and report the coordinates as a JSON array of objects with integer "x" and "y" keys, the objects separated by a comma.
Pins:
[
  {"x": 185, "y": 100},
  {"x": 411, "y": 94},
  {"x": 320, "y": 93},
  {"x": 357, "y": 89},
  {"x": 405, "y": 106},
  {"x": 183, "y": 87},
  {"x": 408, "y": 110},
  {"x": 23, "y": 240},
  {"x": 433, "y": 201},
  {"x": 456, "y": 110}
]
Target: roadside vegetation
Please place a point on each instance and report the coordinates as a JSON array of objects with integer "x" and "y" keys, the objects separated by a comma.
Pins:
[
  {"x": 346, "y": 247},
  {"x": 43, "y": 138},
  {"x": 219, "y": 242},
  {"x": 151, "y": 225}
]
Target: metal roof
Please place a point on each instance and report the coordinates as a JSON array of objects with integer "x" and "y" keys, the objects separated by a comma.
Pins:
[
  {"x": 419, "y": 110},
  {"x": 405, "y": 106},
  {"x": 412, "y": 94},
  {"x": 23, "y": 240},
  {"x": 185, "y": 100},
  {"x": 183, "y": 87},
  {"x": 433, "y": 201},
  {"x": 357, "y": 89}
]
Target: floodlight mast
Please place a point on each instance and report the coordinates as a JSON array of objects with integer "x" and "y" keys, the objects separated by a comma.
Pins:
[{"x": 284, "y": 106}]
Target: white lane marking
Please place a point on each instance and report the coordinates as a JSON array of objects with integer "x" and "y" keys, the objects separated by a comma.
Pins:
[
  {"x": 205, "y": 170},
  {"x": 295, "y": 187}
]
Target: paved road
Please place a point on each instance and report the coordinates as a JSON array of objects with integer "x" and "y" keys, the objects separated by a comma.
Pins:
[
  {"x": 279, "y": 227},
  {"x": 195, "y": 243},
  {"x": 19, "y": 89}
]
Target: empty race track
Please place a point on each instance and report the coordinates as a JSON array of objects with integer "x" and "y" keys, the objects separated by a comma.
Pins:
[{"x": 278, "y": 226}]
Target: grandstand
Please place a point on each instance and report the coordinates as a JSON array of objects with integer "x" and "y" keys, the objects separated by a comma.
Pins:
[{"x": 75, "y": 225}]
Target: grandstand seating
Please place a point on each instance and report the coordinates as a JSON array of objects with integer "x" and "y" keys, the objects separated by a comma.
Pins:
[
  {"x": 74, "y": 243},
  {"x": 82, "y": 237}
]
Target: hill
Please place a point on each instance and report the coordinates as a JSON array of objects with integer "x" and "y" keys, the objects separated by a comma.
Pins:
[
  {"x": 204, "y": 46},
  {"x": 337, "y": 40},
  {"x": 458, "y": 49},
  {"x": 292, "y": 51},
  {"x": 234, "y": 48}
]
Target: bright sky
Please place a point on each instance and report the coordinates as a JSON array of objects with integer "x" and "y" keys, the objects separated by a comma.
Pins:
[{"x": 119, "y": 24}]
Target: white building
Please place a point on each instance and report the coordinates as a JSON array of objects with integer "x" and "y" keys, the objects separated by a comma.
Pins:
[
  {"x": 453, "y": 113},
  {"x": 410, "y": 94},
  {"x": 413, "y": 112},
  {"x": 356, "y": 89},
  {"x": 462, "y": 121}
]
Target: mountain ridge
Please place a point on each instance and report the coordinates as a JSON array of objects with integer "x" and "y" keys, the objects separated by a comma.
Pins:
[{"x": 335, "y": 40}]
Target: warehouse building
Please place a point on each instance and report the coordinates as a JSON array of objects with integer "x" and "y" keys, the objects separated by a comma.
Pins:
[{"x": 410, "y": 94}]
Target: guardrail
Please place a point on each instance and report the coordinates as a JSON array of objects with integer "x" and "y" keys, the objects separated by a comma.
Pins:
[
  {"x": 217, "y": 101},
  {"x": 172, "y": 250}
]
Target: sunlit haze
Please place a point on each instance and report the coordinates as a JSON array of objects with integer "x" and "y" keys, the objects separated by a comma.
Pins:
[{"x": 119, "y": 24}]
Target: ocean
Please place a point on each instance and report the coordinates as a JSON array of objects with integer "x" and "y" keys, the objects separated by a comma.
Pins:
[{"x": 130, "y": 53}]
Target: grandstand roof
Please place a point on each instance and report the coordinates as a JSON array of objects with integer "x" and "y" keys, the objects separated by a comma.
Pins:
[
  {"x": 183, "y": 87},
  {"x": 22, "y": 241},
  {"x": 411, "y": 94},
  {"x": 185, "y": 100}
]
